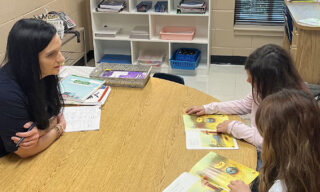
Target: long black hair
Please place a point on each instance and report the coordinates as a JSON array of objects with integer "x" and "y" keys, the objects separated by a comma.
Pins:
[
  {"x": 27, "y": 38},
  {"x": 271, "y": 69}
]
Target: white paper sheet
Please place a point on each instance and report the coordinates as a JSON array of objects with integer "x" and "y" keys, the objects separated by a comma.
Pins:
[
  {"x": 182, "y": 183},
  {"x": 82, "y": 118}
]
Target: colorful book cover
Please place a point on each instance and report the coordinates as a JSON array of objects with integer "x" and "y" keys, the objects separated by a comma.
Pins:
[
  {"x": 99, "y": 97},
  {"x": 77, "y": 88},
  {"x": 219, "y": 171},
  {"x": 124, "y": 74},
  {"x": 204, "y": 122},
  {"x": 200, "y": 139}
]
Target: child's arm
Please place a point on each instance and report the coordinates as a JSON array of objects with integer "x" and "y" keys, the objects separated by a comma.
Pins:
[
  {"x": 238, "y": 107},
  {"x": 242, "y": 131}
]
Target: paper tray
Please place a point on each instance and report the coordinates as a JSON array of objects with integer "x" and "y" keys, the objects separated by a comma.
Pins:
[{"x": 123, "y": 82}]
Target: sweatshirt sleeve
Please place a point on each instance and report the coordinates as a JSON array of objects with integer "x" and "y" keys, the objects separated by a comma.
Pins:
[
  {"x": 249, "y": 134},
  {"x": 237, "y": 107}
]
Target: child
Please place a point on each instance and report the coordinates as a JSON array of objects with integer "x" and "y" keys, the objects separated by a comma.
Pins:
[
  {"x": 269, "y": 69},
  {"x": 289, "y": 123}
]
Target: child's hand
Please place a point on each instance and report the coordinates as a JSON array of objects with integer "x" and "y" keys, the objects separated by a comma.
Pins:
[
  {"x": 238, "y": 186},
  {"x": 223, "y": 127},
  {"x": 196, "y": 110}
]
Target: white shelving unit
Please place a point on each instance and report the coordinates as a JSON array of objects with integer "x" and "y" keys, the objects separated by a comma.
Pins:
[{"x": 129, "y": 18}]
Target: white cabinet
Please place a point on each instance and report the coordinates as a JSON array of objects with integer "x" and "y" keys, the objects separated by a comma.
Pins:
[{"x": 129, "y": 18}]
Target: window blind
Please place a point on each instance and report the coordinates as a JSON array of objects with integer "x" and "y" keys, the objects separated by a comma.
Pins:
[{"x": 268, "y": 12}]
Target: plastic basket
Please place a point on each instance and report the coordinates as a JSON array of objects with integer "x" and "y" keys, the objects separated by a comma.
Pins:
[
  {"x": 161, "y": 6},
  {"x": 185, "y": 54},
  {"x": 177, "y": 33},
  {"x": 124, "y": 82},
  {"x": 188, "y": 65},
  {"x": 144, "y": 6}
]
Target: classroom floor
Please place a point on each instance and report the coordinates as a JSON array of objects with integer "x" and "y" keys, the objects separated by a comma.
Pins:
[{"x": 223, "y": 82}]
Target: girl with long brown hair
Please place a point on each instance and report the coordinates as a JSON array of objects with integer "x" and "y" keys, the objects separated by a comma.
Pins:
[
  {"x": 269, "y": 69},
  {"x": 289, "y": 122}
]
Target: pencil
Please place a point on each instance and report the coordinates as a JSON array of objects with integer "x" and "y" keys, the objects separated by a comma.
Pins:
[{"x": 29, "y": 129}]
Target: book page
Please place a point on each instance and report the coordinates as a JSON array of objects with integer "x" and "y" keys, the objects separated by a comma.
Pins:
[
  {"x": 82, "y": 118},
  {"x": 182, "y": 183}
]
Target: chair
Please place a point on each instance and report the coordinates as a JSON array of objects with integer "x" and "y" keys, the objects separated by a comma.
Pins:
[{"x": 169, "y": 77}]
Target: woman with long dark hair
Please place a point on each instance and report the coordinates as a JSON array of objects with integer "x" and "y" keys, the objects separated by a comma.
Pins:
[{"x": 29, "y": 90}]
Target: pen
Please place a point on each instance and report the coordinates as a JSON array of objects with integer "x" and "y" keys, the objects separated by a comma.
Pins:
[{"x": 29, "y": 129}]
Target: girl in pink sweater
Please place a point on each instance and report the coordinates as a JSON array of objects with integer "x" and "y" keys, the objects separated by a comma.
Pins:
[{"x": 269, "y": 70}]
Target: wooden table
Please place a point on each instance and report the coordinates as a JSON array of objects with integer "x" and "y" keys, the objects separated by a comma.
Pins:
[
  {"x": 305, "y": 46},
  {"x": 140, "y": 146}
]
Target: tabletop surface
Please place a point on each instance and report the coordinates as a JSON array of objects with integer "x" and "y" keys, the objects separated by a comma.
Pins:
[
  {"x": 304, "y": 10},
  {"x": 140, "y": 146}
]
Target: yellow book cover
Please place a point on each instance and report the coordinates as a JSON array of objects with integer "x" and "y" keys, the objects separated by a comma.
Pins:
[
  {"x": 199, "y": 139},
  {"x": 219, "y": 171},
  {"x": 204, "y": 122}
]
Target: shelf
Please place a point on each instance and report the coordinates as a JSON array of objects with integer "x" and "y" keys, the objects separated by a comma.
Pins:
[
  {"x": 128, "y": 19},
  {"x": 197, "y": 40},
  {"x": 152, "y": 12},
  {"x": 71, "y": 57},
  {"x": 174, "y": 13},
  {"x": 125, "y": 37}
]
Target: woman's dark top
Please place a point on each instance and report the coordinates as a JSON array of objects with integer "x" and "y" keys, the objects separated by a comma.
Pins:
[{"x": 13, "y": 111}]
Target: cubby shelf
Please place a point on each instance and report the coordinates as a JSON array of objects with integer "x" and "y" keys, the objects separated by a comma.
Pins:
[{"x": 129, "y": 18}]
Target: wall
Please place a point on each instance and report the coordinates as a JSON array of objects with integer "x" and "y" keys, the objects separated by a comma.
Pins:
[
  {"x": 225, "y": 40},
  {"x": 228, "y": 41},
  {"x": 13, "y": 10}
]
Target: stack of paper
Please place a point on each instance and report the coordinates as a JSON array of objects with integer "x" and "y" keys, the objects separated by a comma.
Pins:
[
  {"x": 108, "y": 32},
  {"x": 78, "y": 89},
  {"x": 82, "y": 118},
  {"x": 97, "y": 98},
  {"x": 192, "y": 6},
  {"x": 140, "y": 32},
  {"x": 212, "y": 173},
  {"x": 201, "y": 133},
  {"x": 111, "y": 6}
]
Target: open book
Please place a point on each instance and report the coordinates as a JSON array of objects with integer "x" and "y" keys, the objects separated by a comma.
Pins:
[
  {"x": 201, "y": 133},
  {"x": 212, "y": 173}
]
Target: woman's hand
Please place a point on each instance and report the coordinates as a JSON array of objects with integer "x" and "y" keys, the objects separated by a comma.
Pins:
[
  {"x": 61, "y": 121},
  {"x": 196, "y": 110},
  {"x": 223, "y": 127},
  {"x": 30, "y": 138},
  {"x": 53, "y": 121},
  {"x": 238, "y": 186}
]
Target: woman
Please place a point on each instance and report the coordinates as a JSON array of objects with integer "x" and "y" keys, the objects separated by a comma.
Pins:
[
  {"x": 29, "y": 90},
  {"x": 289, "y": 123}
]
